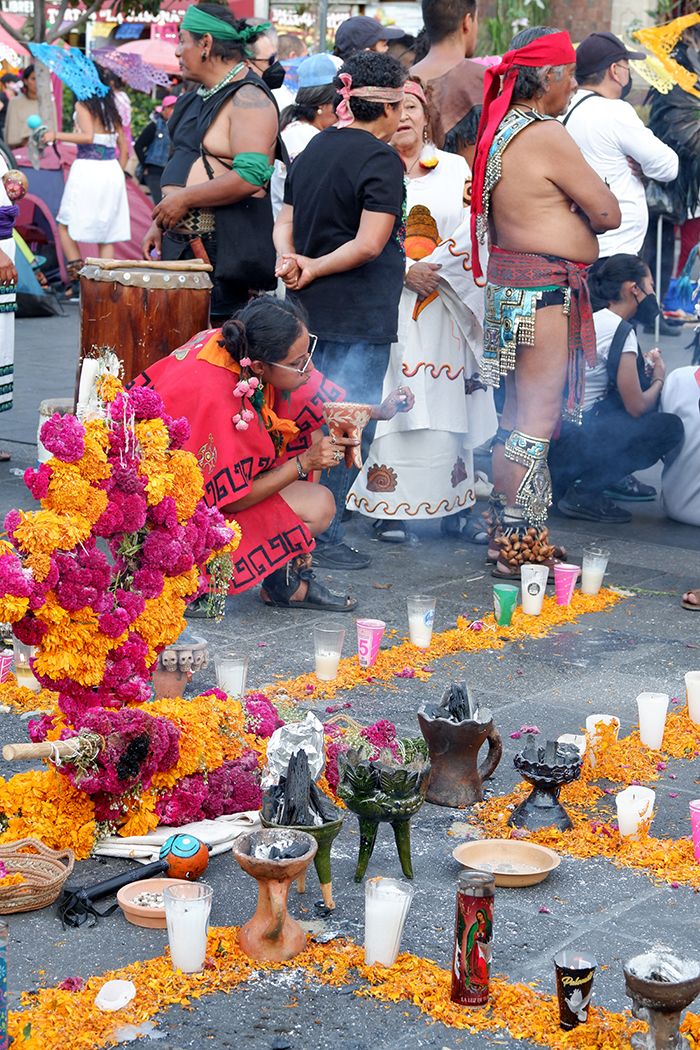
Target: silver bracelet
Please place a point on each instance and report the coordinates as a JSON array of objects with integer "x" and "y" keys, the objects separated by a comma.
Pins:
[{"x": 300, "y": 471}]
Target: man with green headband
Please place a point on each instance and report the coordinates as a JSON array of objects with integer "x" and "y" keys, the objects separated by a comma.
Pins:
[{"x": 216, "y": 203}]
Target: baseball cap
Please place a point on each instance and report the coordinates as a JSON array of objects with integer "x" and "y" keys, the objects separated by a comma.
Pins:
[
  {"x": 316, "y": 70},
  {"x": 600, "y": 50},
  {"x": 169, "y": 100},
  {"x": 360, "y": 32}
]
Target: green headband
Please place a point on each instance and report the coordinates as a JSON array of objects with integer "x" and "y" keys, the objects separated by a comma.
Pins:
[{"x": 199, "y": 22}]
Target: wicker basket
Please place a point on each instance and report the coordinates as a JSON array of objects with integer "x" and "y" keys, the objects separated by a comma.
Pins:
[{"x": 44, "y": 870}]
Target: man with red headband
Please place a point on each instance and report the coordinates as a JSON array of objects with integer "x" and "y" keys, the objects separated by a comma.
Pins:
[{"x": 542, "y": 206}]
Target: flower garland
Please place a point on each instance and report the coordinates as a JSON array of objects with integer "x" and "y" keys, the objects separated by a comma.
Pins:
[
  {"x": 99, "y": 622},
  {"x": 67, "y": 1016}
]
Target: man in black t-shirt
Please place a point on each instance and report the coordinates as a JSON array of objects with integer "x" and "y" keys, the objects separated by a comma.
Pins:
[{"x": 340, "y": 252}]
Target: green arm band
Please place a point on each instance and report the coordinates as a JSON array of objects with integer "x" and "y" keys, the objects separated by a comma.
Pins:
[
  {"x": 253, "y": 167},
  {"x": 199, "y": 22}
]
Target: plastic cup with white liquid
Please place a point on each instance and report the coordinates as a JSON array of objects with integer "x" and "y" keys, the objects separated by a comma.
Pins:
[
  {"x": 328, "y": 645},
  {"x": 421, "y": 615},
  {"x": 595, "y": 562},
  {"x": 533, "y": 581},
  {"x": 692, "y": 692}
]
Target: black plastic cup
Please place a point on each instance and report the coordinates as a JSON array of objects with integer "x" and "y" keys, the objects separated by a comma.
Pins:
[{"x": 574, "y": 987}]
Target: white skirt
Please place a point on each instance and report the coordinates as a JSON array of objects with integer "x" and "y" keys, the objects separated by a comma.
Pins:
[
  {"x": 94, "y": 205},
  {"x": 7, "y": 336}
]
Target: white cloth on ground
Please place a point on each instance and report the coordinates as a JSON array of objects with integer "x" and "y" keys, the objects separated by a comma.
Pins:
[
  {"x": 680, "y": 478},
  {"x": 608, "y": 131},
  {"x": 219, "y": 834},
  {"x": 94, "y": 204},
  {"x": 605, "y": 323},
  {"x": 420, "y": 464}
]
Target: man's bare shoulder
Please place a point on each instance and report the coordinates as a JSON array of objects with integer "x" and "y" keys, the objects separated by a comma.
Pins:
[
  {"x": 543, "y": 134},
  {"x": 250, "y": 96}
]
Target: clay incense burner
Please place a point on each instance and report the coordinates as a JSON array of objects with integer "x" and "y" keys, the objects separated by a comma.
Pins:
[
  {"x": 454, "y": 732},
  {"x": 382, "y": 791},
  {"x": 547, "y": 768},
  {"x": 346, "y": 419},
  {"x": 178, "y": 663},
  {"x": 660, "y": 986},
  {"x": 272, "y": 935}
]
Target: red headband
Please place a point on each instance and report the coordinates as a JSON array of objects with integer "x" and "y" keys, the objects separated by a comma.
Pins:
[
  {"x": 412, "y": 88},
  {"x": 555, "y": 49}
]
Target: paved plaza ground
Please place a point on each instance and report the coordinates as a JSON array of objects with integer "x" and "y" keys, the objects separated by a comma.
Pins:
[{"x": 600, "y": 664}]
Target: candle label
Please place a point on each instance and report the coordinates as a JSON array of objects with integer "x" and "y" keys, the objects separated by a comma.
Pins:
[
  {"x": 471, "y": 963},
  {"x": 3, "y": 999}
]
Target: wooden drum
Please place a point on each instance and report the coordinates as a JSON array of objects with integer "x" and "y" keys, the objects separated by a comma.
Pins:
[{"x": 142, "y": 310}]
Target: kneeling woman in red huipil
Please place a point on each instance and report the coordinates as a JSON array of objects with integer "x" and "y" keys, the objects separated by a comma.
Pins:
[{"x": 254, "y": 404}]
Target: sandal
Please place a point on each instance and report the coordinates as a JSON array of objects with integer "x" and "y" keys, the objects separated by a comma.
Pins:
[
  {"x": 463, "y": 526},
  {"x": 518, "y": 545},
  {"x": 493, "y": 516},
  {"x": 283, "y": 583},
  {"x": 689, "y": 605}
]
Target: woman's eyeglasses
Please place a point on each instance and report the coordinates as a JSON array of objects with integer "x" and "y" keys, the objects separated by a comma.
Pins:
[{"x": 313, "y": 339}]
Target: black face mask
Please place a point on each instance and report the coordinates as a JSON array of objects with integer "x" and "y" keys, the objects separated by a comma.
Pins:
[
  {"x": 627, "y": 88},
  {"x": 648, "y": 310},
  {"x": 274, "y": 76}
]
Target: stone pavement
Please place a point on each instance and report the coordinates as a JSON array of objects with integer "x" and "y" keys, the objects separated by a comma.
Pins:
[{"x": 645, "y": 642}]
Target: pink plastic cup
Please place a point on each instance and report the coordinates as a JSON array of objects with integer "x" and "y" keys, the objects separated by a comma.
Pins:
[
  {"x": 369, "y": 636},
  {"x": 565, "y": 577},
  {"x": 695, "y": 825},
  {"x": 6, "y": 657}
]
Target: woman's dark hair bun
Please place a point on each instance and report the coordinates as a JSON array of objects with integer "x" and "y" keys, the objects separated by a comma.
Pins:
[
  {"x": 233, "y": 337},
  {"x": 264, "y": 329}
]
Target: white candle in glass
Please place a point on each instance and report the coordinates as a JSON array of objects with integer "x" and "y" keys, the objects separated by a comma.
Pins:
[
  {"x": 635, "y": 806},
  {"x": 187, "y": 908},
  {"x": 652, "y": 718},
  {"x": 595, "y": 562},
  {"x": 327, "y": 666},
  {"x": 692, "y": 691},
  {"x": 593, "y": 737},
  {"x": 419, "y": 631},
  {"x": 386, "y": 905},
  {"x": 23, "y": 669},
  {"x": 231, "y": 674}
]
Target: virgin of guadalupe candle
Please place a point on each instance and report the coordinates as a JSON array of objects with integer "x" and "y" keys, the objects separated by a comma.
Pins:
[{"x": 471, "y": 961}]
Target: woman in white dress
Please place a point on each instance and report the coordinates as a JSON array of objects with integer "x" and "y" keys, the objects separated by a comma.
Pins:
[
  {"x": 420, "y": 465},
  {"x": 94, "y": 206}
]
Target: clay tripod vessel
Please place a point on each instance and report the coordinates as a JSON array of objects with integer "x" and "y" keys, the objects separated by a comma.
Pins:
[
  {"x": 455, "y": 778},
  {"x": 272, "y": 935},
  {"x": 660, "y": 986}
]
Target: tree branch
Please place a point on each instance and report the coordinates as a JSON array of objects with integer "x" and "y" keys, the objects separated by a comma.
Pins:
[
  {"x": 52, "y": 33},
  {"x": 72, "y": 26},
  {"x": 14, "y": 33}
]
